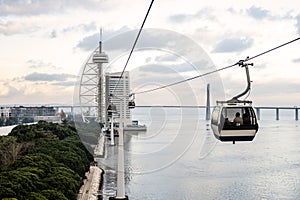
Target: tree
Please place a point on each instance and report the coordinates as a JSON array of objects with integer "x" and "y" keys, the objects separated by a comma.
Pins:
[
  {"x": 35, "y": 196},
  {"x": 9, "y": 151},
  {"x": 9, "y": 199},
  {"x": 48, "y": 162},
  {"x": 64, "y": 180},
  {"x": 20, "y": 182},
  {"x": 53, "y": 195}
]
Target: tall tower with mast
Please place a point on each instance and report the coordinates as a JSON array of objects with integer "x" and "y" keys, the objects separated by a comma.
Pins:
[{"x": 99, "y": 58}]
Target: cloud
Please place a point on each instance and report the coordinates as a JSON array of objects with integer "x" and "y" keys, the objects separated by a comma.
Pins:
[
  {"x": 36, "y": 64},
  {"x": 205, "y": 13},
  {"x": 53, "y": 34},
  {"x": 180, "y": 18},
  {"x": 22, "y": 25},
  {"x": 298, "y": 23},
  {"x": 263, "y": 91},
  {"x": 21, "y": 7},
  {"x": 33, "y": 93},
  {"x": 152, "y": 76},
  {"x": 29, "y": 16},
  {"x": 148, "y": 77},
  {"x": 35, "y": 77},
  {"x": 233, "y": 11},
  {"x": 6, "y": 90},
  {"x": 297, "y": 60},
  {"x": 158, "y": 69},
  {"x": 166, "y": 58},
  {"x": 156, "y": 39},
  {"x": 18, "y": 26},
  {"x": 258, "y": 12},
  {"x": 155, "y": 73},
  {"x": 90, "y": 42},
  {"x": 25, "y": 25},
  {"x": 76, "y": 28},
  {"x": 39, "y": 7},
  {"x": 65, "y": 83},
  {"x": 81, "y": 27},
  {"x": 289, "y": 87},
  {"x": 233, "y": 45},
  {"x": 36, "y": 90}
]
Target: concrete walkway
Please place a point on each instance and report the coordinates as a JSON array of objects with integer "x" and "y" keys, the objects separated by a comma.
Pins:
[
  {"x": 89, "y": 190},
  {"x": 99, "y": 149}
]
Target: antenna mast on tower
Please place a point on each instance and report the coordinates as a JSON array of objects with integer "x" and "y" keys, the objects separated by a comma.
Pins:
[{"x": 100, "y": 41}]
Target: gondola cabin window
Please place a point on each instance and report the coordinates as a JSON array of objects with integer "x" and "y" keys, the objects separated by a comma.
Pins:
[
  {"x": 230, "y": 113},
  {"x": 246, "y": 114}
]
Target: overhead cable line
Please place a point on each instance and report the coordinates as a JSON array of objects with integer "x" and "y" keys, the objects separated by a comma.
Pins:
[
  {"x": 217, "y": 70},
  {"x": 134, "y": 44},
  {"x": 289, "y": 42},
  {"x": 185, "y": 80}
]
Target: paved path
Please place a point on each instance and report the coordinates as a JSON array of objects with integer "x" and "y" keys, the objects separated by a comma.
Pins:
[
  {"x": 99, "y": 149},
  {"x": 89, "y": 190}
]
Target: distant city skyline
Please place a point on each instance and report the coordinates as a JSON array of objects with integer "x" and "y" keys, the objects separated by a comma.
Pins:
[{"x": 44, "y": 44}]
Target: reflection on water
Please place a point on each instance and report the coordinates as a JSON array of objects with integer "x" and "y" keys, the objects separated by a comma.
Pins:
[{"x": 178, "y": 158}]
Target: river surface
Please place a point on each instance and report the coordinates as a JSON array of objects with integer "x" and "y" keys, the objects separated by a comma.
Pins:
[
  {"x": 5, "y": 130},
  {"x": 179, "y": 158}
]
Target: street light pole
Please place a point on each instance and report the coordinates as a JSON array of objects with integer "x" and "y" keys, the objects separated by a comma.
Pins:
[{"x": 112, "y": 133}]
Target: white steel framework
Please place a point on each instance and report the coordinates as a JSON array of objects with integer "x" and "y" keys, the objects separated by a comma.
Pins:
[{"x": 91, "y": 88}]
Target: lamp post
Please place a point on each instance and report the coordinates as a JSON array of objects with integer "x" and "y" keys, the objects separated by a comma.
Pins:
[{"x": 112, "y": 133}]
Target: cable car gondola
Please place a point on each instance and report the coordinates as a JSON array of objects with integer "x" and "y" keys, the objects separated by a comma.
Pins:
[
  {"x": 131, "y": 103},
  {"x": 224, "y": 126},
  {"x": 111, "y": 109},
  {"x": 235, "y": 120}
]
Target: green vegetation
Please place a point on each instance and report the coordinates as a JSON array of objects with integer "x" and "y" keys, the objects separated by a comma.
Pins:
[
  {"x": 42, "y": 161},
  {"x": 88, "y": 132}
]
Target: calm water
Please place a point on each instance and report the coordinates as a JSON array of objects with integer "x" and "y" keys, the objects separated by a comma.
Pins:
[
  {"x": 5, "y": 130},
  {"x": 178, "y": 158}
]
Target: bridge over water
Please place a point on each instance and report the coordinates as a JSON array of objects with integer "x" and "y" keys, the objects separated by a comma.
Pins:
[
  {"x": 74, "y": 108},
  {"x": 257, "y": 108}
]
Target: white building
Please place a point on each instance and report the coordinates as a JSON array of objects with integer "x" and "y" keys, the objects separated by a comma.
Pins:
[
  {"x": 5, "y": 112},
  {"x": 117, "y": 92},
  {"x": 26, "y": 112}
]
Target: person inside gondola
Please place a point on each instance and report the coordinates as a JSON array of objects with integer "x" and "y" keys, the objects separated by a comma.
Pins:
[
  {"x": 226, "y": 122},
  {"x": 238, "y": 120},
  {"x": 246, "y": 117}
]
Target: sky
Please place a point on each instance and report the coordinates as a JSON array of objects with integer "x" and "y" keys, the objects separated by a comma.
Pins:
[{"x": 45, "y": 43}]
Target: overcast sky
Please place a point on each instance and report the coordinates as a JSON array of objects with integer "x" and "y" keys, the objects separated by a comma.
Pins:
[{"x": 44, "y": 43}]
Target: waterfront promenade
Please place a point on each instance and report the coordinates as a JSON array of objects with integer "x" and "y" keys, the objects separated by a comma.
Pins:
[{"x": 89, "y": 190}]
